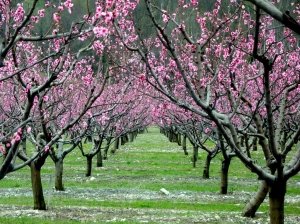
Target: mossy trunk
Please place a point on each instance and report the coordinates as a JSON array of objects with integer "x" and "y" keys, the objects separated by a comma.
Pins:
[
  {"x": 276, "y": 202},
  {"x": 99, "y": 159},
  {"x": 59, "y": 168},
  {"x": 89, "y": 160},
  {"x": 207, "y": 166},
  {"x": 253, "y": 205},
  {"x": 37, "y": 188},
  {"x": 224, "y": 176}
]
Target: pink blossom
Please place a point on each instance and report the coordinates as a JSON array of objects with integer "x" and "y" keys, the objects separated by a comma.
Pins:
[
  {"x": 68, "y": 4},
  {"x": 19, "y": 13},
  {"x": 28, "y": 130},
  {"x": 46, "y": 98},
  {"x": 41, "y": 13},
  {"x": 46, "y": 149},
  {"x": 2, "y": 150},
  {"x": 56, "y": 17},
  {"x": 100, "y": 31}
]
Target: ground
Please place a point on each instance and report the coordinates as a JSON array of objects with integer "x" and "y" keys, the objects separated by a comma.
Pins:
[{"x": 128, "y": 190}]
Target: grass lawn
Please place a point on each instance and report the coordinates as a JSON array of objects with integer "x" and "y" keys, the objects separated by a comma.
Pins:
[{"x": 127, "y": 189}]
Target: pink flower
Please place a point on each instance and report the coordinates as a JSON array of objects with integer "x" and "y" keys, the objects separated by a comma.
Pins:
[
  {"x": 2, "y": 150},
  {"x": 41, "y": 13},
  {"x": 46, "y": 98},
  {"x": 19, "y": 13},
  {"x": 28, "y": 130},
  {"x": 68, "y": 4},
  {"x": 56, "y": 17},
  {"x": 46, "y": 149},
  {"x": 17, "y": 138},
  {"x": 100, "y": 31}
]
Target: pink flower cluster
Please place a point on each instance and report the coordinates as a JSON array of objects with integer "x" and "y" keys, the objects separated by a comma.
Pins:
[
  {"x": 17, "y": 136},
  {"x": 100, "y": 31},
  {"x": 98, "y": 47},
  {"x": 19, "y": 13},
  {"x": 69, "y": 4}
]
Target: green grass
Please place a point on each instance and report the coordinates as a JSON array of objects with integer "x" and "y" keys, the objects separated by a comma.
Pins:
[{"x": 146, "y": 165}]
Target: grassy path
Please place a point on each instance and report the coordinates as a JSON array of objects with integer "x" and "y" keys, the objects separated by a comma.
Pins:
[{"x": 127, "y": 190}]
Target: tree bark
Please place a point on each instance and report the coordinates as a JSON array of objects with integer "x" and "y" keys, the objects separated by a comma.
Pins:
[
  {"x": 276, "y": 202},
  {"x": 224, "y": 175},
  {"x": 59, "y": 167},
  {"x": 37, "y": 189},
  {"x": 89, "y": 160},
  {"x": 99, "y": 159},
  {"x": 131, "y": 136},
  {"x": 254, "y": 144},
  {"x": 108, "y": 141},
  {"x": 179, "y": 139},
  {"x": 116, "y": 145},
  {"x": 184, "y": 145},
  {"x": 254, "y": 203},
  {"x": 207, "y": 166},
  {"x": 273, "y": 11},
  {"x": 195, "y": 156}
]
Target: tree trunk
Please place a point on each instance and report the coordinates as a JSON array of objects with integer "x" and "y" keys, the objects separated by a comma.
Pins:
[
  {"x": 23, "y": 145},
  {"x": 224, "y": 175},
  {"x": 254, "y": 203},
  {"x": 116, "y": 145},
  {"x": 254, "y": 144},
  {"x": 99, "y": 159},
  {"x": 59, "y": 167},
  {"x": 131, "y": 136},
  {"x": 123, "y": 139},
  {"x": 89, "y": 160},
  {"x": 276, "y": 202},
  {"x": 179, "y": 139},
  {"x": 37, "y": 189},
  {"x": 207, "y": 166},
  {"x": 108, "y": 141},
  {"x": 184, "y": 145},
  {"x": 195, "y": 156}
]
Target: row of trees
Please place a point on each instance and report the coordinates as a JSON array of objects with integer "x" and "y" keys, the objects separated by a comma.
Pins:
[
  {"x": 227, "y": 72},
  {"x": 237, "y": 74}
]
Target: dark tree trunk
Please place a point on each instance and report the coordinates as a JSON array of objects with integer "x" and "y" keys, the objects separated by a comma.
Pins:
[
  {"x": 131, "y": 136},
  {"x": 59, "y": 167},
  {"x": 224, "y": 175},
  {"x": 89, "y": 160},
  {"x": 276, "y": 202},
  {"x": 108, "y": 141},
  {"x": 207, "y": 166},
  {"x": 37, "y": 189},
  {"x": 254, "y": 144},
  {"x": 99, "y": 159},
  {"x": 179, "y": 139},
  {"x": 124, "y": 139},
  {"x": 253, "y": 205},
  {"x": 184, "y": 145},
  {"x": 195, "y": 156},
  {"x": 116, "y": 145}
]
